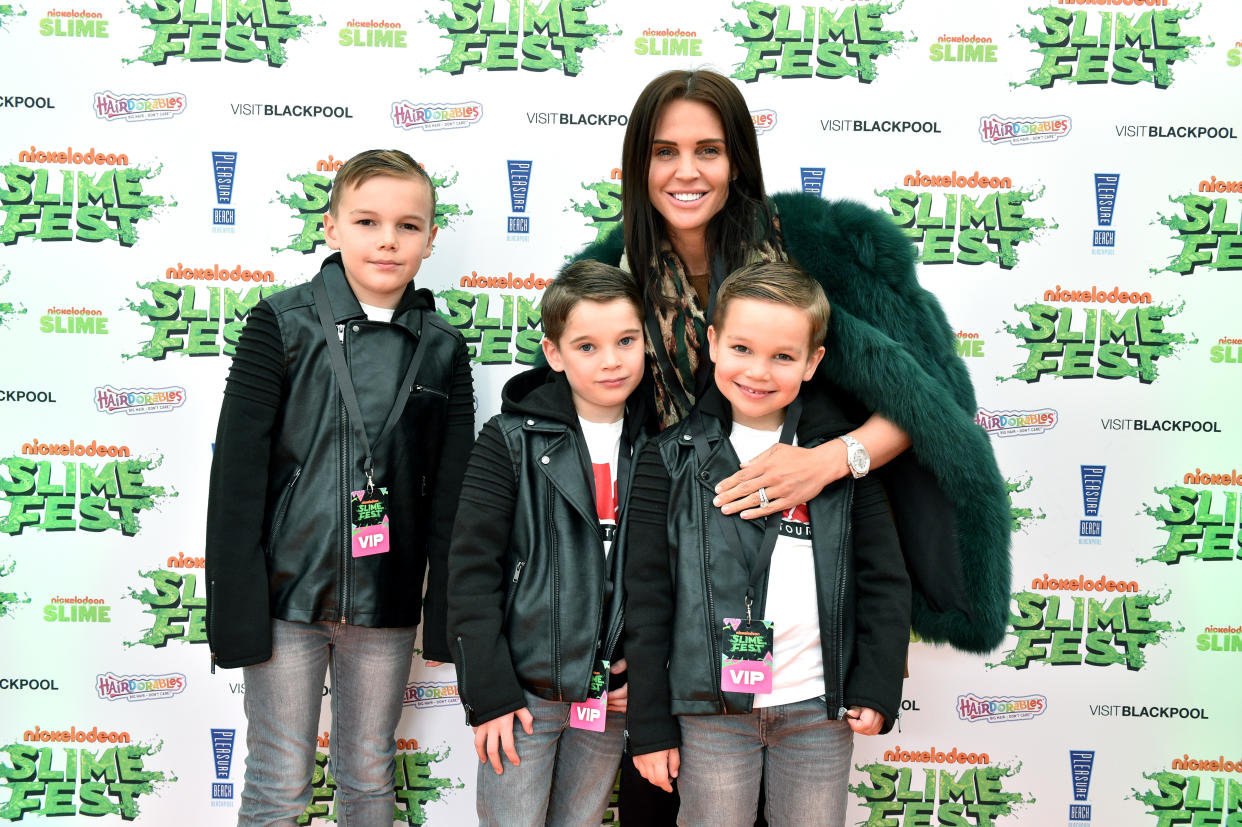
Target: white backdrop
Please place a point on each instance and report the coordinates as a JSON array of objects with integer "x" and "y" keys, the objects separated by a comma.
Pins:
[{"x": 1107, "y": 134}]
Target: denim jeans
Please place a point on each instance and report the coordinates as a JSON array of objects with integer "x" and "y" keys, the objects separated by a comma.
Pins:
[
  {"x": 565, "y": 777},
  {"x": 802, "y": 754},
  {"x": 370, "y": 668}
]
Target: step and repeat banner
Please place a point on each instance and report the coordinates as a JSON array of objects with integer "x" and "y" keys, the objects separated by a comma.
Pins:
[{"x": 1069, "y": 176}]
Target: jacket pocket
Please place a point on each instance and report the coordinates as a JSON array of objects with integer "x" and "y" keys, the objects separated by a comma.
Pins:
[
  {"x": 511, "y": 594},
  {"x": 282, "y": 506},
  {"x": 430, "y": 390}
]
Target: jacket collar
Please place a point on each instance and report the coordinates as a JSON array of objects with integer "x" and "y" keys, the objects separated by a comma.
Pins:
[{"x": 345, "y": 304}]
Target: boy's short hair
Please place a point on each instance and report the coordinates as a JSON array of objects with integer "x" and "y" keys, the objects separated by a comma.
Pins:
[
  {"x": 778, "y": 282},
  {"x": 585, "y": 281},
  {"x": 372, "y": 162}
]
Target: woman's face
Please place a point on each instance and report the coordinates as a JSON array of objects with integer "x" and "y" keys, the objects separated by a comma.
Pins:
[{"x": 688, "y": 180}]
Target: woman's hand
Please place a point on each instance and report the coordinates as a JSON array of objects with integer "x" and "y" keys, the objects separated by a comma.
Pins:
[
  {"x": 618, "y": 699},
  {"x": 659, "y": 767},
  {"x": 495, "y": 736},
  {"x": 789, "y": 476}
]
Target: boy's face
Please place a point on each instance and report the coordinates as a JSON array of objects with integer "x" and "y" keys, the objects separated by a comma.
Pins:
[
  {"x": 601, "y": 354},
  {"x": 763, "y": 355},
  {"x": 384, "y": 230}
]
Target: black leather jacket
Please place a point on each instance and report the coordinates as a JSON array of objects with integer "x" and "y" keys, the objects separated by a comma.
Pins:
[
  {"x": 683, "y": 581},
  {"x": 302, "y": 551},
  {"x": 532, "y": 600}
]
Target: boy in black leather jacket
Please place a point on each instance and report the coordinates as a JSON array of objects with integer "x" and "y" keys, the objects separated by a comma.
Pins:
[
  {"x": 535, "y": 601},
  {"x": 758, "y": 651}
]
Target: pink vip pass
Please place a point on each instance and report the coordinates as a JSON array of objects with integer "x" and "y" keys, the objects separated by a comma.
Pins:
[
  {"x": 592, "y": 713},
  {"x": 368, "y": 517},
  {"x": 746, "y": 656}
]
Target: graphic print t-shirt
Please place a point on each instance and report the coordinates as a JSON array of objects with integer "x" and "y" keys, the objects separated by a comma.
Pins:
[
  {"x": 603, "y": 440},
  {"x": 792, "y": 605}
]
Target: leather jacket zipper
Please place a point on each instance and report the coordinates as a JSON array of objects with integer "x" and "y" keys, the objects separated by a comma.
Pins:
[
  {"x": 211, "y": 620},
  {"x": 711, "y": 604},
  {"x": 345, "y": 532},
  {"x": 285, "y": 498},
  {"x": 462, "y": 693},
  {"x": 556, "y": 615},
  {"x": 841, "y": 572}
]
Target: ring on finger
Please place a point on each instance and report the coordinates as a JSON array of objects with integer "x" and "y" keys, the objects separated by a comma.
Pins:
[{"x": 763, "y": 497}]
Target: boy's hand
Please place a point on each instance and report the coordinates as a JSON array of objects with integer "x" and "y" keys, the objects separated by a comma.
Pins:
[
  {"x": 497, "y": 734},
  {"x": 434, "y": 662},
  {"x": 659, "y": 767},
  {"x": 864, "y": 721},
  {"x": 789, "y": 476},
  {"x": 618, "y": 699}
]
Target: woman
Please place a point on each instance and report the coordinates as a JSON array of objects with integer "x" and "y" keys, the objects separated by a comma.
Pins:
[{"x": 694, "y": 209}]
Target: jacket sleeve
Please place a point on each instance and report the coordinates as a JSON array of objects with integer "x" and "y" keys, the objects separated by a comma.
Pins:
[
  {"x": 881, "y": 608},
  {"x": 238, "y": 614},
  {"x": 457, "y": 439},
  {"x": 477, "y": 579},
  {"x": 649, "y": 609}
]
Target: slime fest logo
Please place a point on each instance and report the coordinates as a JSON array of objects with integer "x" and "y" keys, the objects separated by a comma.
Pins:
[
  {"x": 199, "y": 320},
  {"x": 1093, "y": 47},
  {"x": 1201, "y": 517},
  {"x": 603, "y": 211},
  {"x": 224, "y": 174},
  {"x": 415, "y": 784},
  {"x": 100, "y": 200},
  {"x": 1203, "y": 789},
  {"x": 1125, "y": 340},
  {"x": 177, "y": 606},
  {"x": 77, "y": 610},
  {"x": 669, "y": 42},
  {"x": 74, "y": 23},
  {"x": 1213, "y": 639},
  {"x": 131, "y": 401},
  {"x": 425, "y": 694},
  {"x": 9, "y": 311},
  {"x": 973, "y": 708},
  {"x": 222, "y": 759},
  {"x": 972, "y": 218},
  {"x": 1208, "y": 238},
  {"x": 1103, "y": 241},
  {"x": 311, "y": 203},
  {"x": 95, "y": 488},
  {"x": 510, "y": 337},
  {"x": 956, "y": 787},
  {"x": 432, "y": 116},
  {"x": 1089, "y": 531},
  {"x": 88, "y": 773},
  {"x": 506, "y": 35},
  {"x": 112, "y": 687},
  {"x": 1081, "y": 763},
  {"x": 812, "y": 179},
  {"x": 807, "y": 41},
  {"x": 1021, "y": 516},
  {"x": 373, "y": 34},
  {"x": 519, "y": 192},
  {"x": 963, "y": 48},
  {"x": 239, "y": 31},
  {"x": 1080, "y": 629},
  {"x": 997, "y": 130},
  {"x": 9, "y": 601},
  {"x": 110, "y": 106}
]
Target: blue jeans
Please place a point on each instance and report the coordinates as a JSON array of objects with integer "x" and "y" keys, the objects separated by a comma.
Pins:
[
  {"x": 370, "y": 668},
  {"x": 565, "y": 777},
  {"x": 802, "y": 754}
]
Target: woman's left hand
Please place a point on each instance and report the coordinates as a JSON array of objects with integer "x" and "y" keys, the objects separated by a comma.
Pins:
[{"x": 788, "y": 475}]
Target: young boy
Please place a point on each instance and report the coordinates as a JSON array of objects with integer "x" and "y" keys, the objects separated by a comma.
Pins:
[
  {"x": 346, "y": 423},
  {"x": 535, "y": 601},
  {"x": 756, "y": 652}
]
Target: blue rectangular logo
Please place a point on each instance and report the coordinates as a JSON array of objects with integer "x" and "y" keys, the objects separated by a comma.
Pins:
[
  {"x": 1090, "y": 528},
  {"x": 1081, "y": 761},
  {"x": 519, "y": 184},
  {"x": 224, "y": 165},
  {"x": 1105, "y": 197},
  {"x": 1092, "y": 488},
  {"x": 1080, "y": 812},
  {"x": 519, "y": 224},
  {"x": 1104, "y": 238},
  {"x": 222, "y": 751},
  {"x": 224, "y": 216},
  {"x": 813, "y": 180},
  {"x": 221, "y": 790}
]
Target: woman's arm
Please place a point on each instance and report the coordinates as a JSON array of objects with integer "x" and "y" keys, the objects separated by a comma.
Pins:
[{"x": 790, "y": 475}]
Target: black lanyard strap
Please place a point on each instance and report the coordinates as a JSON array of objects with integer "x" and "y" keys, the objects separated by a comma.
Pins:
[
  {"x": 336, "y": 353},
  {"x": 758, "y": 563}
]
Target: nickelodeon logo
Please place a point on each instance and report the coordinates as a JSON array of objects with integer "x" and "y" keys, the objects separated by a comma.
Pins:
[{"x": 69, "y": 156}]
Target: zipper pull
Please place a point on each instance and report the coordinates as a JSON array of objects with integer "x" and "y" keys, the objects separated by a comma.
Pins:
[
  {"x": 517, "y": 571},
  {"x": 841, "y": 713},
  {"x": 213, "y": 663}
]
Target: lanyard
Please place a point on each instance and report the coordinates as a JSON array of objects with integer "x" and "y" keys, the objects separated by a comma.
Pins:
[
  {"x": 336, "y": 353},
  {"x": 758, "y": 563}
]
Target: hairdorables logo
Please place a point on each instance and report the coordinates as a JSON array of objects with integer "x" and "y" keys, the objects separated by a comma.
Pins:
[
  {"x": 1202, "y": 788},
  {"x": 433, "y": 116},
  {"x": 996, "y": 130},
  {"x": 132, "y": 401},
  {"x": 1200, "y": 518},
  {"x": 1114, "y": 628},
  {"x": 973, "y": 218},
  {"x": 1208, "y": 239},
  {"x": 1097, "y": 47},
  {"x": 424, "y": 694},
  {"x": 240, "y": 32},
  {"x": 763, "y": 119},
  {"x": 525, "y": 37},
  {"x": 110, "y": 106},
  {"x": 311, "y": 202},
  {"x": 973, "y": 708},
  {"x": 1017, "y": 423},
  {"x": 806, "y": 41},
  {"x": 1122, "y": 341},
  {"x": 112, "y": 687}
]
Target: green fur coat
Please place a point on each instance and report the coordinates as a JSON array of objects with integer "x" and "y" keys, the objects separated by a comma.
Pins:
[{"x": 890, "y": 345}]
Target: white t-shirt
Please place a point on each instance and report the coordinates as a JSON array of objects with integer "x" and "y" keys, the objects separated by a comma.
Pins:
[
  {"x": 603, "y": 440},
  {"x": 792, "y": 605},
  {"x": 378, "y": 314}
]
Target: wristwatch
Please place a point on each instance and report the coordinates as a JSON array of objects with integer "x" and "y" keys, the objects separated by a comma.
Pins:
[{"x": 856, "y": 456}]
